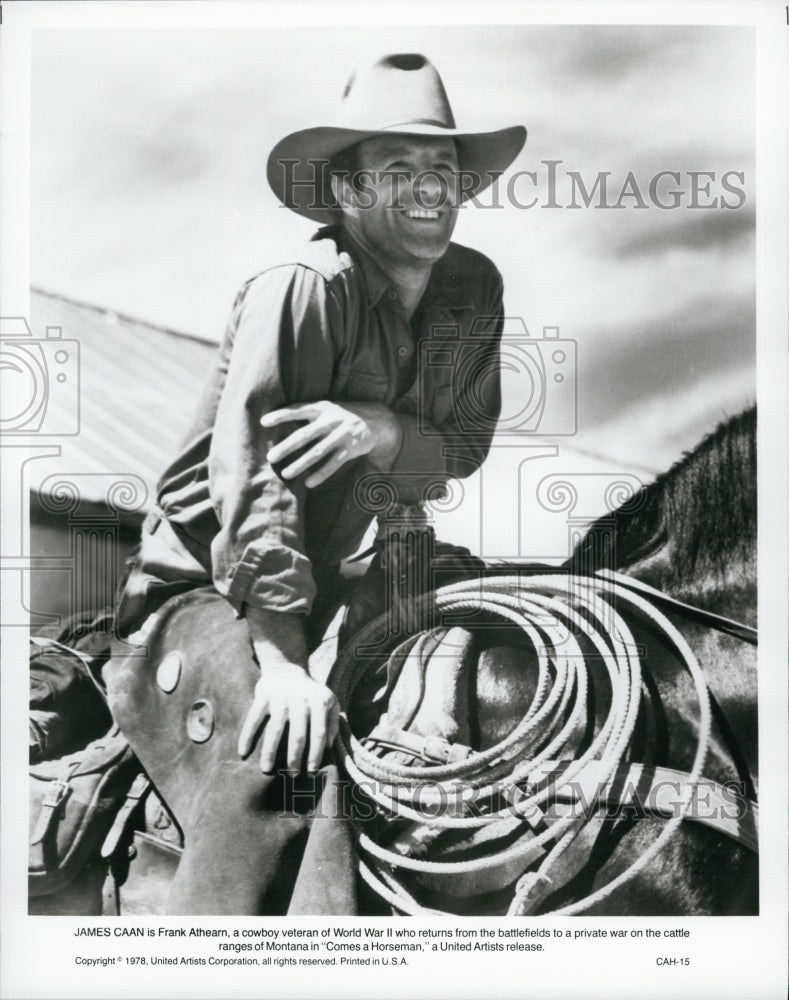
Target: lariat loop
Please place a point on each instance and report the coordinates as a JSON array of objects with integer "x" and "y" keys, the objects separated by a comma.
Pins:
[{"x": 513, "y": 787}]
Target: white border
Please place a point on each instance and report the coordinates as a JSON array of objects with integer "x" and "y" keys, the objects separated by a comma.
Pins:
[{"x": 733, "y": 957}]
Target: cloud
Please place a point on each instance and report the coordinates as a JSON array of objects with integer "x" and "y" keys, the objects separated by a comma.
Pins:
[
  {"x": 656, "y": 431},
  {"x": 692, "y": 230},
  {"x": 610, "y": 54},
  {"x": 658, "y": 357}
]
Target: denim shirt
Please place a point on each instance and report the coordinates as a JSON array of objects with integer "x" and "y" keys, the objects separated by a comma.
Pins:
[{"x": 328, "y": 324}]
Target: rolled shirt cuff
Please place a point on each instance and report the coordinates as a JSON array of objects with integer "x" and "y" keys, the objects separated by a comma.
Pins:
[
  {"x": 268, "y": 575},
  {"x": 420, "y": 464}
]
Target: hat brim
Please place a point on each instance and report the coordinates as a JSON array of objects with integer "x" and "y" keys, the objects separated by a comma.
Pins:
[{"x": 297, "y": 166}]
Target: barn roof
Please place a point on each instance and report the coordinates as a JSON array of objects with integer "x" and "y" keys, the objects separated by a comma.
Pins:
[{"x": 138, "y": 386}]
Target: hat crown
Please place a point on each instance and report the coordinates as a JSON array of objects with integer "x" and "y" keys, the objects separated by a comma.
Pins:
[{"x": 395, "y": 91}]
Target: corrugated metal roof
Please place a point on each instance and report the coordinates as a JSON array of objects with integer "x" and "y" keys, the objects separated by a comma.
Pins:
[{"x": 138, "y": 387}]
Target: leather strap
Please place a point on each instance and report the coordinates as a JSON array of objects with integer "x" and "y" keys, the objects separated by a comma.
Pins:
[
  {"x": 657, "y": 597},
  {"x": 431, "y": 749},
  {"x": 153, "y": 519},
  {"x": 559, "y": 867},
  {"x": 139, "y": 789},
  {"x": 689, "y": 611},
  {"x": 662, "y": 791},
  {"x": 59, "y": 791},
  {"x": 110, "y": 896}
]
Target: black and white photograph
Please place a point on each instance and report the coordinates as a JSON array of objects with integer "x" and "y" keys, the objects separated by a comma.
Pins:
[{"x": 394, "y": 427}]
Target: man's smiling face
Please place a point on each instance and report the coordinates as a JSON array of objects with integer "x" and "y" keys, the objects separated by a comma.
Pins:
[{"x": 404, "y": 208}]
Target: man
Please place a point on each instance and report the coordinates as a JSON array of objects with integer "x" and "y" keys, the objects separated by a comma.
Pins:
[{"x": 325, "y": 380}]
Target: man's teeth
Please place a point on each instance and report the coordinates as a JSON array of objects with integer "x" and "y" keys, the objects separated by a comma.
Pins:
[{"x": 422, "y": 213}]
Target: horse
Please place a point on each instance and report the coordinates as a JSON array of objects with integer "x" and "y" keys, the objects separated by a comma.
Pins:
[
  {"x": 690, "y": 538},
  {"x": 692, "y": 535},
  {"x": 457, "y": 691}
]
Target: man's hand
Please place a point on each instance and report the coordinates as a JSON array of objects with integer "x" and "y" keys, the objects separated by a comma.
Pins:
[
  {"x": 338, "y": 433},
  {"x": 286, "y": 694}
]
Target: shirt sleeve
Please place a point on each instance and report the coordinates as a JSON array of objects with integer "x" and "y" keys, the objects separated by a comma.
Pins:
[
  {"x": 282, "y": 353},
  {"x": 455, "y": 445}
]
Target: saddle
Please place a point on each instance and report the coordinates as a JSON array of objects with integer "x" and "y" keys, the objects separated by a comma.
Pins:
[{"x": 253, "y": 843}]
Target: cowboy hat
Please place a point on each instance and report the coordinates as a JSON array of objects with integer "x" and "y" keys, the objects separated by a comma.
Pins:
[{"x": 393, "y": 95}]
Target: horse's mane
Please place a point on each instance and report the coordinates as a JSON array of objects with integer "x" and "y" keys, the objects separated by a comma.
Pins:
[{"x": 705, "y": 504}]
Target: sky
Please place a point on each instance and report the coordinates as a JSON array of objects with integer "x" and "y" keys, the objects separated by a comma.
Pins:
[{"x": 149, "y": 193}]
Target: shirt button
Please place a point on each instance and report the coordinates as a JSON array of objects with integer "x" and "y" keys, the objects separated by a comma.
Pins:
[
  {"x": 402, "y": 351},
  {"x": 452, "y": 279},
  {"x": 392, "y": 295}
]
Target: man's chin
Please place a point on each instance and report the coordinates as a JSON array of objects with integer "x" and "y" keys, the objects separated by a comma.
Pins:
[{"x": 428, "y": 247}]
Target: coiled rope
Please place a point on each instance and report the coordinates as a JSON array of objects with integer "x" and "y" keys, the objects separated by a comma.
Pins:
[{"x": 553, "y": 611}]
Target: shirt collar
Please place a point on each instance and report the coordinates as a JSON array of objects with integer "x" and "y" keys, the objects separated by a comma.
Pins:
[{"x": 443, "y": 289}]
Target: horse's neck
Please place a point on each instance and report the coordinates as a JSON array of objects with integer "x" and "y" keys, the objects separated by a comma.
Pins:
[
  {"x": 729, "y": 664},
  {"x": 733, "y": 595}
]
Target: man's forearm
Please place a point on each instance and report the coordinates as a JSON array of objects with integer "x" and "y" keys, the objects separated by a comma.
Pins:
[
  {"x": 389, "y": 438},
  {"x": 286, "y": 697},
  {"x": 277, "y": 637}
]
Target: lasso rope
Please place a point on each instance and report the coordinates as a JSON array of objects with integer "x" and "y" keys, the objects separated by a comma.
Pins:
[{"x": 551, "y": 611}]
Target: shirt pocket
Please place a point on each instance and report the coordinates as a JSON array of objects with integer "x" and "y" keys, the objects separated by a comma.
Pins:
[
  {"x": 435, "y": 396},
  {"x": 366, "y": 387}
]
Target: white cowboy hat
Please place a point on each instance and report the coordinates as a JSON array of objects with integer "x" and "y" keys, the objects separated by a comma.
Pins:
[{"x": 394, "y": 95}]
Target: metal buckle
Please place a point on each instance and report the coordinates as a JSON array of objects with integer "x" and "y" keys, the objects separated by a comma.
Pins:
[
  {"x": 58, "y": 793},
  {"x": 441, "y": 751}
]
